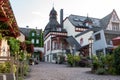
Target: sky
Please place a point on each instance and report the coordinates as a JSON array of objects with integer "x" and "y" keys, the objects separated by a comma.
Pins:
[{"x": 35, "y": 13}]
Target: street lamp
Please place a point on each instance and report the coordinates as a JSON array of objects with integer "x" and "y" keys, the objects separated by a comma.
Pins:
[{"x": 90, "y": 40}]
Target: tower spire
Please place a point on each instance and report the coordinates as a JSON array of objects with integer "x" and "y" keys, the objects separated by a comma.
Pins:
[
  {"x": 53, "y": 5},
  {"x": 87, "y": 15}
]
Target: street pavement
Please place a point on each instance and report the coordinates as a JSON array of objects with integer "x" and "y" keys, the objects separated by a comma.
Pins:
[{"x": 49, "y": 71}]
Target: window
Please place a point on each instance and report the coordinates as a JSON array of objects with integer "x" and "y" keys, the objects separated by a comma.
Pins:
[
  {"x": 115, "y": 26},
  {"x": 32, "y": 41},
  {"x": 37, "y": 41},
  {"x": 81, "y": 41},
  {"x": 48, "y": 45},
  {"x": 54, "y": 56},
  {"x": 33, "y": 34},
  {"x": 97, "y": 37},
  {"x": 114, "y": 17},
  {"x": 86, "y": 24},
  {"x": 55, "y": 45},
  {"x": 45, "y": 48},
  {"x": 59, "y": 29}
]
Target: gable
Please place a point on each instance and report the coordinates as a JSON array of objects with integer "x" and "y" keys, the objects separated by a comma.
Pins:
[
  {"x": 114, "y": 17},
  {"x": 114, "y": 22}
]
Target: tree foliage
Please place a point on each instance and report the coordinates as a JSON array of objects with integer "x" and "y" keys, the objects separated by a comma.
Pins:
[
  {"x": 73, "y": 60},
  {"x": 117, "y": 60},
  {"x": 14, "y": 45}
]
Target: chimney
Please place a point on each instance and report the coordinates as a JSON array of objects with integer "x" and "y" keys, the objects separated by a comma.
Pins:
[{"x": 61, "y": 18}]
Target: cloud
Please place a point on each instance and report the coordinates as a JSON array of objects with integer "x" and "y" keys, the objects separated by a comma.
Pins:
[{"x": 36, "y": 13}]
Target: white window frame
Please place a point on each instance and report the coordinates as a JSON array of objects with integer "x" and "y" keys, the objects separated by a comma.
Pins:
[
  {"x": 33, "y": 41},
  {"x": 33, "y": 34},
  {"x": 37, "y": 41}
]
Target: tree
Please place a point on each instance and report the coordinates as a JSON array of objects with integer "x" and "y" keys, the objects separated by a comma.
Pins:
[{"x": 117, "y": 60}]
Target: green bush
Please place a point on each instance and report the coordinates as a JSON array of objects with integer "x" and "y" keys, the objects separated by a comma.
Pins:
[
  {"x": 109, "y": 64},
  {"x": 95, "y": 63},
  {"x": 5, "y": 67},
  {"x": 70, "y": 59},
  {"x": 100, "y": 71},
  {"x": 116, "y": 63},
  {"x": 111, "y": 70},
  {"x": 76, "y": 60},
  {"x": 73, "y": 60},
  {"x": 26, "y": 69},
  {"x": 102, "y": 61}
]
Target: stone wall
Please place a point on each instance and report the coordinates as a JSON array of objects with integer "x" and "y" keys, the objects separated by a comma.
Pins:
[{"x": 7, "y": 76}]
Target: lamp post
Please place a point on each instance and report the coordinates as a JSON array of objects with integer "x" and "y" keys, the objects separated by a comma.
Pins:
[{"x": 90, "y": 40}]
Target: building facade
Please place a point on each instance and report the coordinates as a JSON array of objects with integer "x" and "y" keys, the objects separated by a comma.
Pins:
[
  {"x": 102, "y": 31},
  {"x": 36, "y": 38},
  {"x": 54, "y": 38},
  {"x": 8, "y": 27}
]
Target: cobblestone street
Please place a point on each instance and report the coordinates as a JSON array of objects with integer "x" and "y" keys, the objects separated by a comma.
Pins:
[{"x": 48, "y": 71}]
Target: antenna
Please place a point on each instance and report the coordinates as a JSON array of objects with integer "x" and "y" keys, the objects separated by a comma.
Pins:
[
  {"x": 53, "y": 3},
  {"x": 87, "y": 15}
]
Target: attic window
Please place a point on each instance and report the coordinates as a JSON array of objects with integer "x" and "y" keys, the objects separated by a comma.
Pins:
[
  {"x": 59, "y": 29},
  {"x": 115, "y": 26},
  {"x": 86, "y": 24},
  {"x": 76, "y": 19}
]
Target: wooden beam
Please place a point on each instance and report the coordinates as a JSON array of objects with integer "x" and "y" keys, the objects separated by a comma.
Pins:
[
  {"x": 3, "y": 11},
  {"x": 3, "y": 19}
]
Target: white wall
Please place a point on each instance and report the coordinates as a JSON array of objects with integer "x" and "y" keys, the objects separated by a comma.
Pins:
[
  {"x": 115, "y": 19},
  {"x": 85, "y": 37},
  {"x": 47, "y": 51},
  {"x": 5, "y": 51},
  {"x": 99, "y": 44},
  {"x": 69, "y": 28}
]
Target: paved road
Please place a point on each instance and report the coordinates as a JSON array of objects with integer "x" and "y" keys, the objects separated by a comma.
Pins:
[{"x": 47, "y": 71}]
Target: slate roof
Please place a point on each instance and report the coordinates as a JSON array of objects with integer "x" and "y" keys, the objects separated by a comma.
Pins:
[
  {"x": 26, "y": 31},
  {"x": 72, "y": 41},
  {"x": 53, "y": 23},
  {"x": 78, "y": 21},
  {"x": 105, "y": 21}
]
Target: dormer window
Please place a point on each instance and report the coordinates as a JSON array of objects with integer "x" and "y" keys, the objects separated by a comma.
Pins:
[
  {"x": 86, "y": 24},
  {"x": 59, "y": 29},
  {"x": 75, "y": 19}
]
